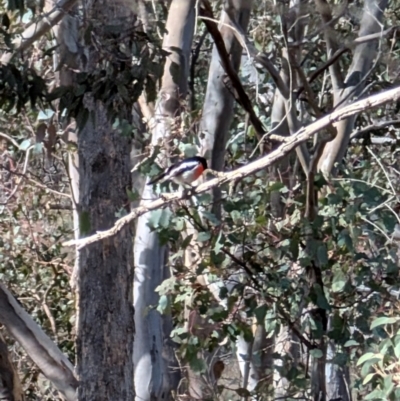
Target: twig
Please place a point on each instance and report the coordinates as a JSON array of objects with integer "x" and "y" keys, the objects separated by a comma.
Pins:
[
  {"x": 383, "y": 169},
  {"x": 37, "y": 183},
  {"x": 377, "y": 35},
  {"x": 23, "y": 172},
  {"x": 12, "y": 140},
  {"x": 301, "y": 136},
  {"x": 374, "y": 127}
]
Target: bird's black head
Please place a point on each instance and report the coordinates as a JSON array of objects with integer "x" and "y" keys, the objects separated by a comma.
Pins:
[{"x": 201, "y": 160}]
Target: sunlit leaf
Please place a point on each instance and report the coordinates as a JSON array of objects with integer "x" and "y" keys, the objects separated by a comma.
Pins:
[
  {"x": 339, "y": 280},
  {"x": 380, "y": 321},
  {"x": 369, "y": 356},
  {"x": 368, "y": 378},
  {"x": 203, "y": 236}
]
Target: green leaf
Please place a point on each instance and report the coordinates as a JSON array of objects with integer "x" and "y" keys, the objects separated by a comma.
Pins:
[
  {"x": 388, "y": 384},
  {"x": 376, "y": 395},
  {"x": 37, "y": 148},
  {"x": 316, "y": 353},
  {"x": 322, "y": 255},
  {"x": 368, "y": 378},
  {"x": 186, "y": 241},
  {"x": 369, "y": 356},
  {"x": 397, "y": 350},
  {"x": 210, "y": 217},
  {"x": 165, "y": 218},
  {"x": 380, "y": 321},
  {"x": 198, "y": 365},
  {"x": 132, "y": 195},
  {"x": 203, "y": 236},
  {"x": 45, "y": 114},
  {"x": 25, "y": 144},
  {"x": 351, "y": 343},
  {"x": 163, "y": 304},
  {"x": 154, "y": 218},
  {"x": 339, "y": 281}
]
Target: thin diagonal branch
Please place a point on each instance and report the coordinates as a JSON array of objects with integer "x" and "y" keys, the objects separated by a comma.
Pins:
[{"x": 300, "y": 137}]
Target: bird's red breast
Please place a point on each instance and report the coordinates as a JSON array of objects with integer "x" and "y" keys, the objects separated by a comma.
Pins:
[{"x": 198, "y": 172}]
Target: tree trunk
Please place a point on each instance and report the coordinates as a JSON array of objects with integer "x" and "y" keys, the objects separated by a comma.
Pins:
[
  {"x": 156, "y": 370},
  {"x": 105, "y": 277},
  {"x": 218, "y": 104},
  {"x": 353, "y": 85}
]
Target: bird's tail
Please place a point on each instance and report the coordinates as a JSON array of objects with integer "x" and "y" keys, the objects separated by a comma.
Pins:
[{"x": 160, "y": 177}]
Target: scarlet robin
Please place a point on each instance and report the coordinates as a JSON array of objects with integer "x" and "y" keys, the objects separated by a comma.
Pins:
[{"x": 184, "y": 172}]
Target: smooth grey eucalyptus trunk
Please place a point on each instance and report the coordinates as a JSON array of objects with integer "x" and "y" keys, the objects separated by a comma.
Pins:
[
  {"x": 156, "y": 369},
  {"x": 354, "y": 84},
  {"x": 217, "y": 113}
]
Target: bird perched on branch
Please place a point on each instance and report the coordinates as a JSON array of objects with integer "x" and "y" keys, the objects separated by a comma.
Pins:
[{"x": 184, "y": 172}]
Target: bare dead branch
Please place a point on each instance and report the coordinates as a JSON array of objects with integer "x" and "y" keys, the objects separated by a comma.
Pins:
[
  {"x": 300, "y": 137},
  {"x": 324, "y": 66},
  {"x": 377, "y": 35},
  {"x": 38, "y": 29},
  {"x": 8, "y": 137}
]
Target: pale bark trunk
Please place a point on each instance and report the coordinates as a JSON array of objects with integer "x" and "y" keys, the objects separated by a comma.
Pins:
[
  {"x": 156, "y": 370},
  {"x": 354, "y": 84},
  {"x": 218, "y": 104}
]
